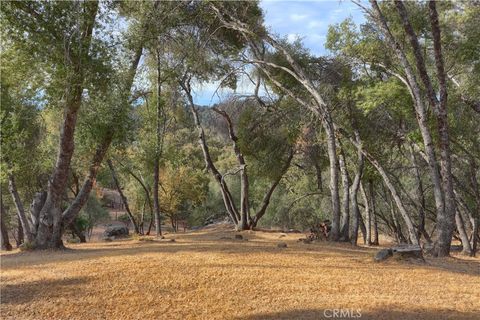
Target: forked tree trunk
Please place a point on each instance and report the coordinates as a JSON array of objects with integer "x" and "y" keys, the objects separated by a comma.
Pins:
[
  {"x": 50, "y": 227},
  {"x": 245, "y": 219}
]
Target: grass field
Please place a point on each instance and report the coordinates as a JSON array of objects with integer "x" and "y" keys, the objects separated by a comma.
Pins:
[{"x": 201, "y": 276}]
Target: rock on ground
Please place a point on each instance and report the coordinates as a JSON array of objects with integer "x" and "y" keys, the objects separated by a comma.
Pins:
[{"x": 115, "y": 231}]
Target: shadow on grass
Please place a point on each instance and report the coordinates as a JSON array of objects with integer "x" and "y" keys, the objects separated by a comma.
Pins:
[
  {"x": 381, "y": 314},
  {"x": 212, "y": 243},
  {"x": 41, "y": 289}
]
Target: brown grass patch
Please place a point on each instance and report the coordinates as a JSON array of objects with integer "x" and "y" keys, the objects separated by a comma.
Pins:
[{"x": 202, "y": 277}]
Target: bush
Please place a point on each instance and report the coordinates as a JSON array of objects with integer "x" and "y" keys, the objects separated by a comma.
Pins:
[{"x": 26, "y": 246}]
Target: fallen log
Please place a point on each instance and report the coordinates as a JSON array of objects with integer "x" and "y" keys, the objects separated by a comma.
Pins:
[{"x": 403, "y": 252}]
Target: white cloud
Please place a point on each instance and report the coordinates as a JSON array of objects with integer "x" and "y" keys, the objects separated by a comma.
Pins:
[
  {"x": 316, "y": 24},
  {"x": 298, "y": 17},
  {"x": 292, "y": 37}
]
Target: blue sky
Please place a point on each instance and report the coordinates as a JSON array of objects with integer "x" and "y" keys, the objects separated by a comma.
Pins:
[{"x": 307, "y": 20}]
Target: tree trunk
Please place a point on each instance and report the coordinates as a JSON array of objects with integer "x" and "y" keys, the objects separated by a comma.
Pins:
[
  {"x": 156, "y": 168},
  {"x": 363, "y": 229},
  {"x": 345, "y": 221},
  {"x": 69, "y": 215},
  {"x": 334, "y": 191},
  {"x": 420, "y": 198},
  {"x": 368, "y": 215},
  {"x": 475, "y": 236},
  {"x": 398, "y": 201},
  {"x": 226, "y": 195},
  {"x": 244, "y": 223},
  {"x": 5, "y": 241},
  {"x": 354, "y": 191},
  {"x": 268, "y": 194},
  {"x": 78, "y": 233},
  {"x": 445, "y": 235},
  {"x": 443, "y": 222},
  {"x": 20, "y": 234},
  {"x": 373, "y": 212},
  {"x": 122, "y": 196},
  {"x": 12, "y": 187},
  {"x": 467, "y": 249},
  {"x": 50, "y": 228}
]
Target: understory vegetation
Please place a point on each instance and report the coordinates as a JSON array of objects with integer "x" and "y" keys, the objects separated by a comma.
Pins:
[{"x": 377, "y": 140}]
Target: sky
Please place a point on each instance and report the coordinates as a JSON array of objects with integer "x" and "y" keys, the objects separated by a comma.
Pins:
[{"x": 307, "y": 20}]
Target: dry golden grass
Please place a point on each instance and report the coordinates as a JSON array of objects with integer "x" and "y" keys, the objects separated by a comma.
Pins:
[{"x": 202, "y": 277}]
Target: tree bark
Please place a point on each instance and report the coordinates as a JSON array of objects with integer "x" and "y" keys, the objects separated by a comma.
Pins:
[
  {"x": 368, "y": 215},
  {"x": 210, "y": 166},
  {"x": 354, "y": 191},
  {"x": 69, "y": 215},
  {"x": 5, "y": 241},
  {"x": 398, "y": 201},
  {"x": 20, "y": 234},
  {"x": 49, "y": 233},
  {"x": 334, "y": 190},
  {"x": 444, "y": 226},
  {"x": 467, "y": 249},
  {"x": 373, "y": 215},
  {"x": 420, "y": 198},
  {"x": 266, "y": 198},
  {"x": 78, "y": 233},
  {"x": 12, "y": 187},
  {"x": 124, "y": 199},
  {"x": 245, "y": 218},
  {"x": 345, "y": 221},
  {"x": 156, "y": 168},
  {"x": 445, "y": 234}
]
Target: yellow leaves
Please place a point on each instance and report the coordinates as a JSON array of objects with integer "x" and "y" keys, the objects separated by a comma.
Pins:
[{"x": 181, "y": 187}]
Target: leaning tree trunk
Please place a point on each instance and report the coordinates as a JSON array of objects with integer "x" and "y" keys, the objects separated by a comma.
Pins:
[
  {"x": 245, "y": 219},
  {"x": 268, "y": 194},
  {"x": 443, "y": 221},
  {"x": 396, "y": 196},
  {"x": 467, "y": 249},
  {"x": 226, "y": 195},
  {"x": 438, "y": 103},
  {"x": 12, "y": 187},
  {"x": 122, "y": 196}
]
